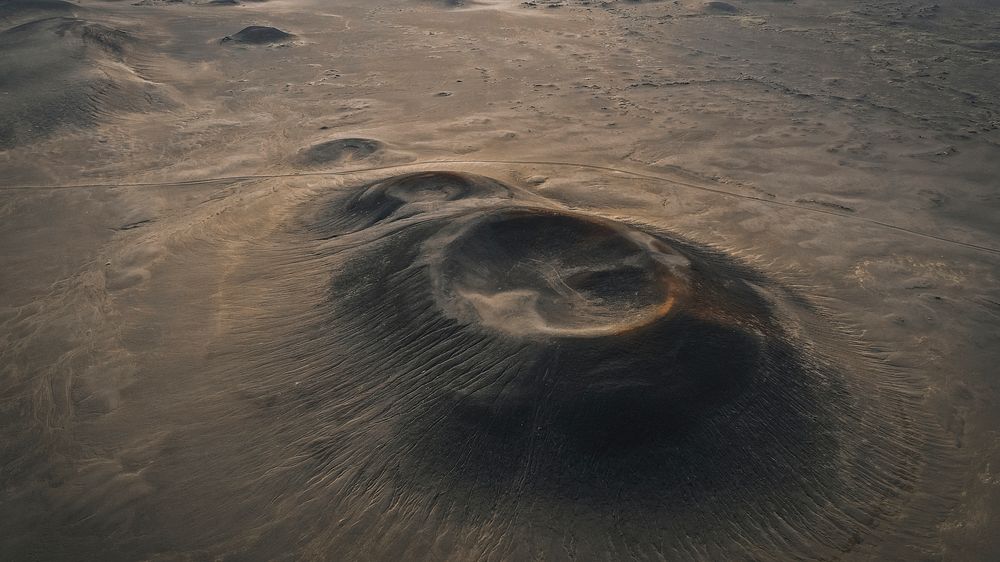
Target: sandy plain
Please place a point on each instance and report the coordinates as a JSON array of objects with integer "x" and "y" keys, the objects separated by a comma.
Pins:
[{"x": 396, "y": 279}]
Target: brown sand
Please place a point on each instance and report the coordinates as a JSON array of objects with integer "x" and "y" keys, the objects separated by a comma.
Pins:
[{"x": 403, "y": 279}]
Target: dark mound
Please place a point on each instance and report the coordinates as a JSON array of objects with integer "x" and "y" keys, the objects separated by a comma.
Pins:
[
  {"x": 494, "y": 367},
  {"x": 720, "y": 8},
  {"x": 258, "y": 35},
  {"x": 18, "y": 11},
  {"x": 61, "y": 72},
  {"x": 626, "y": 345},
  {"x": 403, "y": 196},
  {"x": 339, "y": 151},
  {"x": 447, "y": 3}
]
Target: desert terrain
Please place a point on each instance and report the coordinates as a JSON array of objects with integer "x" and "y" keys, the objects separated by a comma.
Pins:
[{"x": 499, "y": 280}]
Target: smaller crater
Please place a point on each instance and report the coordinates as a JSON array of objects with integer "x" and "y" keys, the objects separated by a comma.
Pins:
[
  {"x": 340, "y": 151},
  {"x": 404, "y": 196}
]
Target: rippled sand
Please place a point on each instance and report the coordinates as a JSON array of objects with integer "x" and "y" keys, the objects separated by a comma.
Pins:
[{"x": 409, "y": 280}]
